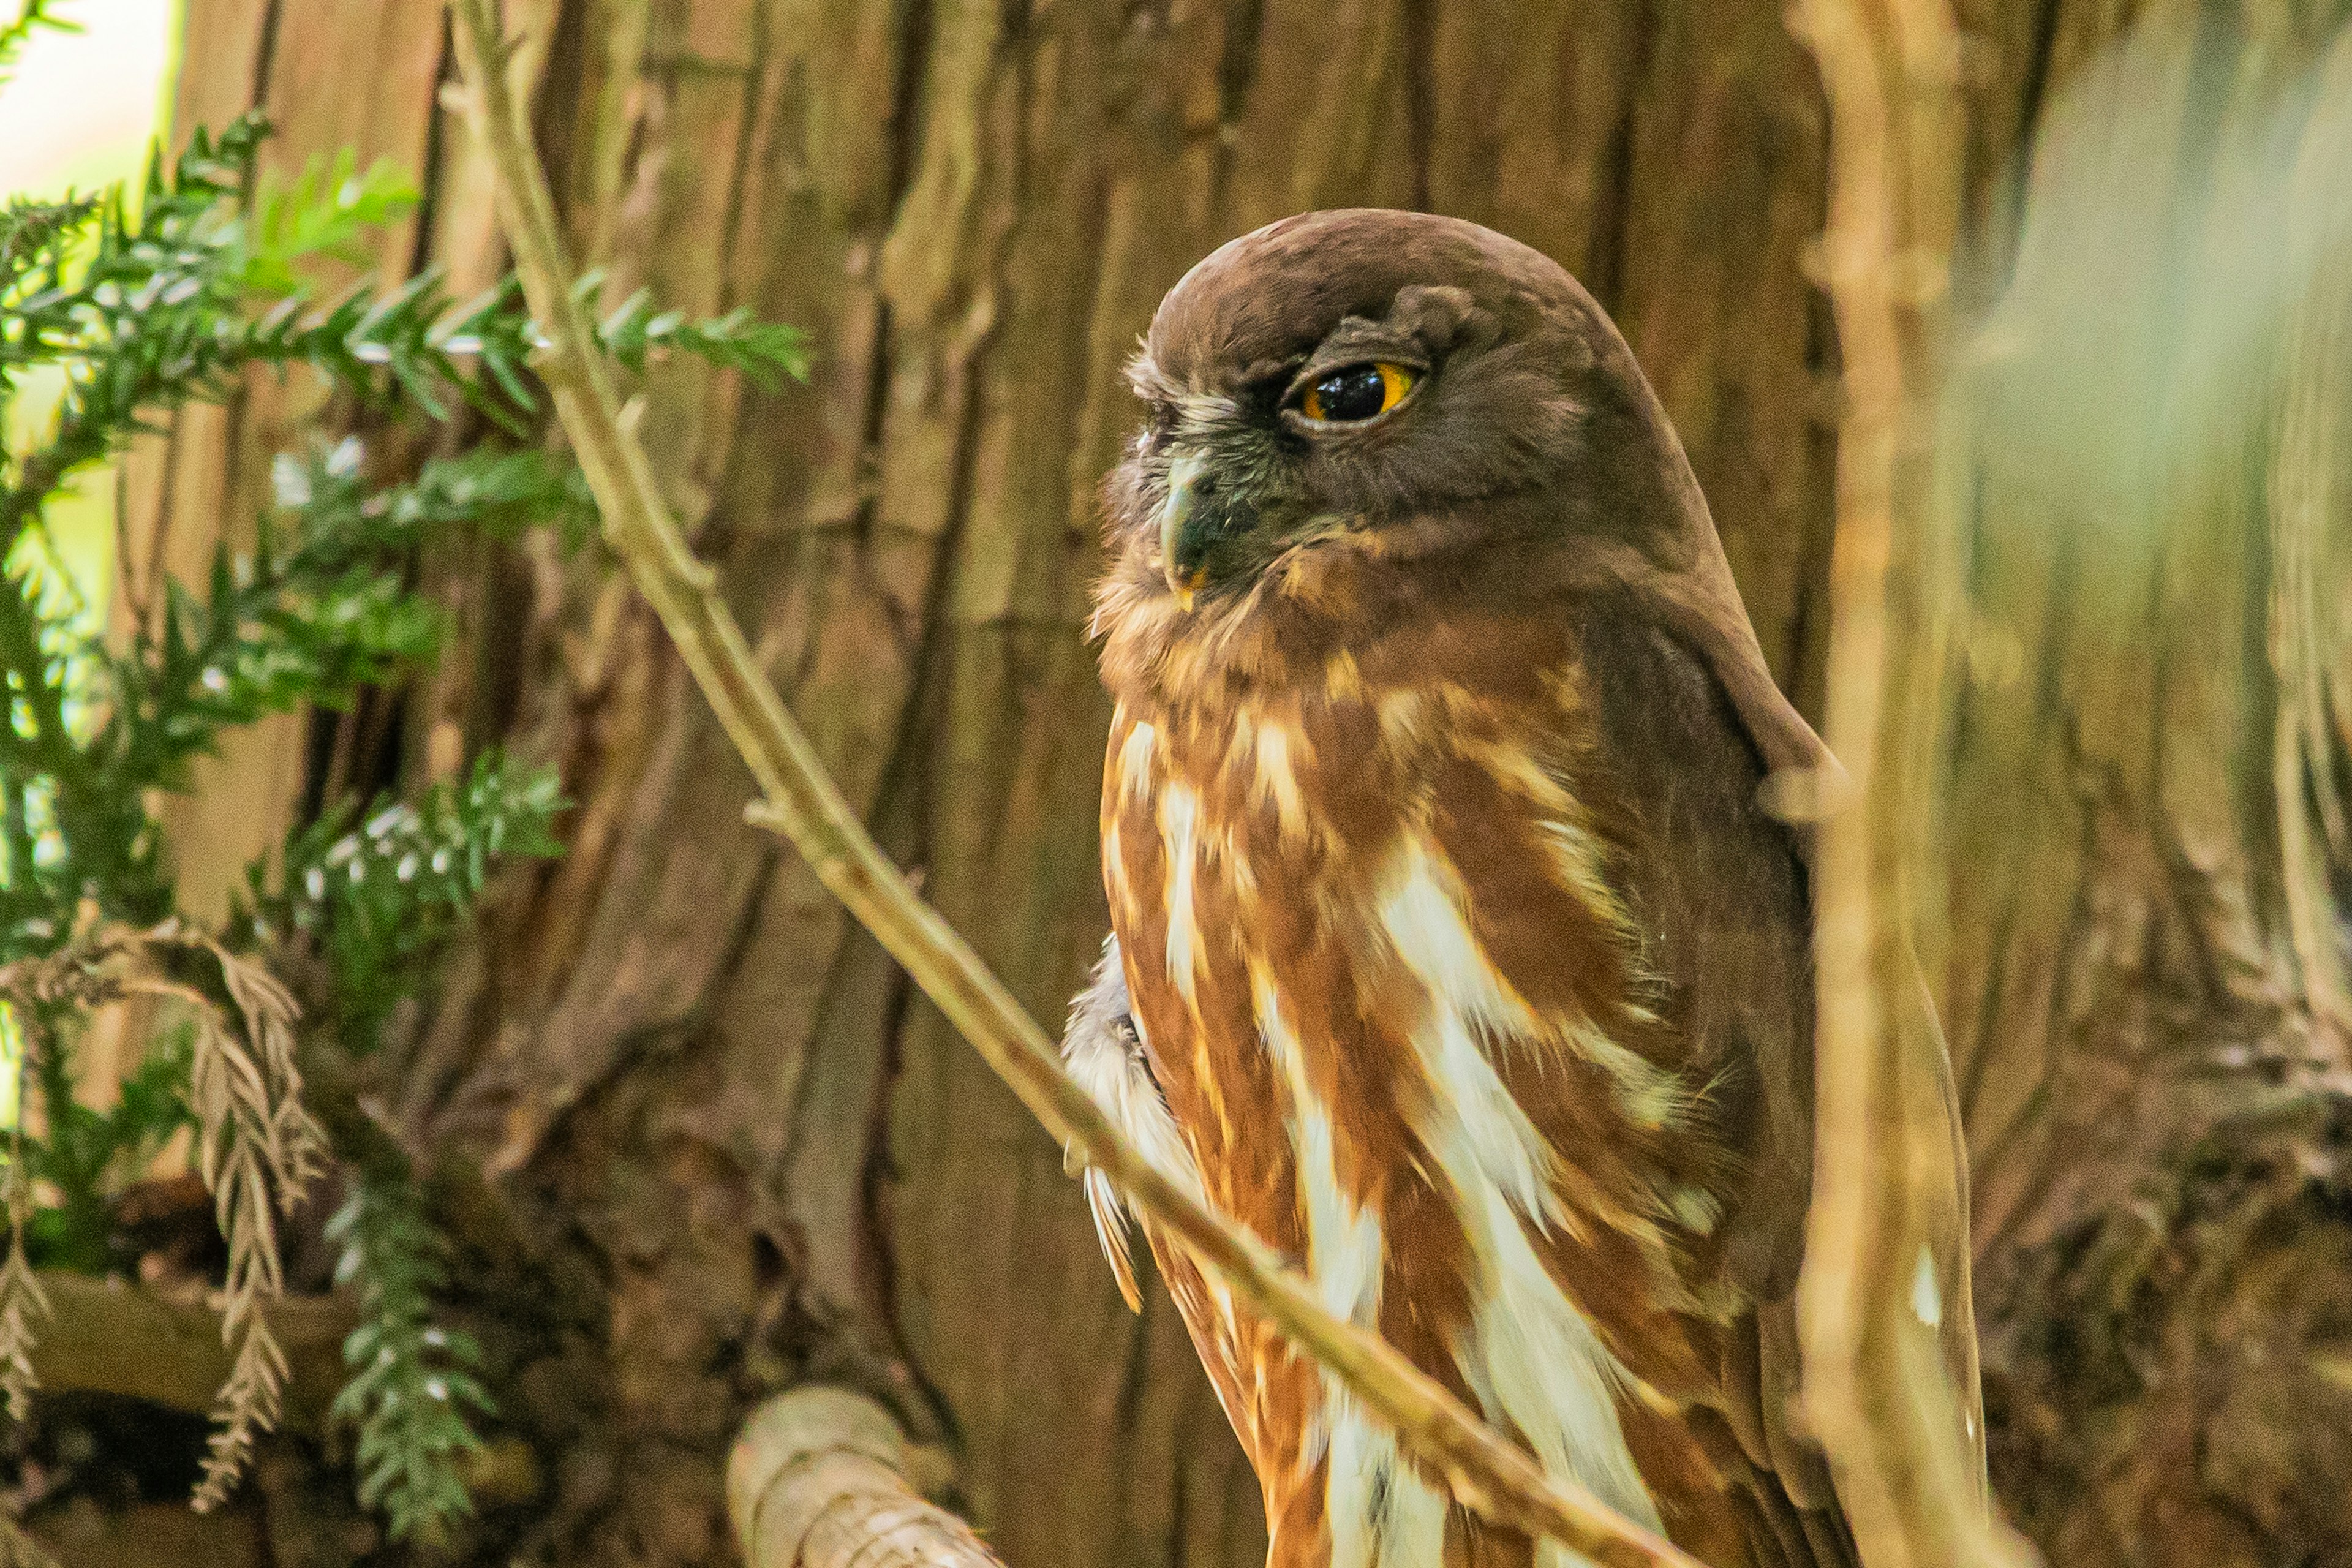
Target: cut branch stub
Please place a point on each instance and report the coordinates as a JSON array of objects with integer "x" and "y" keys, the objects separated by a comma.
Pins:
[{"x": 818, "y": 1480}]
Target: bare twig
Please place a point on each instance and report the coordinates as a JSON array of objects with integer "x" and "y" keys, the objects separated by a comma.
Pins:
[
  {"x": 1885, "y": 1295},
  {"x": 818, "y": 1480},
  {"x": 1483, "y": 1471}
]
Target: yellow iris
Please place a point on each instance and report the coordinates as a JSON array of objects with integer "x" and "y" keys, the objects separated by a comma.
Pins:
[{"x": 1343, "y": 395}]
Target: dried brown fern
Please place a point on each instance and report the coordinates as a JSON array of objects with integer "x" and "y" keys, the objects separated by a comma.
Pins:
[
  {"x": 21, "y": 1300},
  {"x": 257, "y": 1150}
]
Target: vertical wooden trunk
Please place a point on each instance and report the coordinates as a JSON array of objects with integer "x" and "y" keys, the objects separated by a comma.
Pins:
[{"x": 728, "y": 1149}]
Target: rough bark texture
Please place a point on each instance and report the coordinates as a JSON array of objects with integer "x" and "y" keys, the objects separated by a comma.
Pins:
[{"x": 727, "y": 1150}]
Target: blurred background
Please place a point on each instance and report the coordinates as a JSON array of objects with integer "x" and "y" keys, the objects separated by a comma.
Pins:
[
  {"x": 78, "y": 113},
  {"x": 685, "y": 1136}
]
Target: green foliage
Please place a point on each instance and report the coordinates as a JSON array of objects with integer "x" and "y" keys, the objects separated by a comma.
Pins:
[
  {"x": 29, "y": 229},
  {"x": 32, "y": 17},
  {"x": 142, "y": 314},
  {"x": 765, "y": 350},
  {"x": 318, "y": 608},
  {"x": 148, "y": 314},
  {"x": 81, "y": 1149},
  {"x": 412, "y": 1382},
  {"x": 376, "y": 896},
  {"x": 380, "y": 894},
  {"x": 328, "y": 211},
  {"x": 165, "y": 306},
  {"x": 146, "y": 305}
]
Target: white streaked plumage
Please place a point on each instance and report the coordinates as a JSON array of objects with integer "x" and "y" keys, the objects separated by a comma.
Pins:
[
  {"x": 1178, "y": 813},
  {"x": 1104, "y": 1048},
  {"x": 1343, "y": 1243},
  {"x": 1380, "y": 1510},
  {"x": 1381, "y": 1513},
  {"x": 1532, "y": 1357},
  {"x": 1135, "y": 759}
]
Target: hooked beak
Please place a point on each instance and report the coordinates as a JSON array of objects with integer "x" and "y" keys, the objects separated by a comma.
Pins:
[{"x": 1184, "y": 577}]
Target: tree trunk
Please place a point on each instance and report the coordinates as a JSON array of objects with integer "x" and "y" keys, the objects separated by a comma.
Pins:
[
  {"x": 729, "y": 1151},
  {"x": 2145, "y": 988}
]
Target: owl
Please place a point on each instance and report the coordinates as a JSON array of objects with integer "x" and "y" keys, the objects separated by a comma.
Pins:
[{"x": 1454, "y": 950}]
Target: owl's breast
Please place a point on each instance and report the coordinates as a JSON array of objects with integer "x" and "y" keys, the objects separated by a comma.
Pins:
[{"x": 1375, "y": 944}]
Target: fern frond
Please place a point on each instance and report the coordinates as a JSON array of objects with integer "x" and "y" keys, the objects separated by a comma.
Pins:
[
  {"x": 765, "y": 350},
  {"x": 413, "y": 1384},
  {"x": 379, "y": 893}
]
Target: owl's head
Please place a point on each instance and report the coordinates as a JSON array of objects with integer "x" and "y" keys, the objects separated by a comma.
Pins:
[{"x": 1368, "y": 372}]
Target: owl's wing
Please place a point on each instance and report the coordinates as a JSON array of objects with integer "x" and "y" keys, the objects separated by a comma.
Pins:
[
  {"x": 1697, "y": 605},
  {"x": 1720, "y": 886},
  {"x": 1103, "y": 1050},
  {"x": 1103, "y": 1046}
]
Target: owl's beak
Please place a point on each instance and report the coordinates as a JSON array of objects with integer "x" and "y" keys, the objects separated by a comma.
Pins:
[{"x": 1183, "y": 575}]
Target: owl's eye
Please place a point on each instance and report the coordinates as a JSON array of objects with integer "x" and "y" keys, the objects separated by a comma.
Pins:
[{"x": 1353, "y": 394}]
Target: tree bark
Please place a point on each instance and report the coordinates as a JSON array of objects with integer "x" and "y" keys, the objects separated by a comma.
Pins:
[
  {"x": 729, "y": 1152},
  {"x": 2144, "y": 988}
]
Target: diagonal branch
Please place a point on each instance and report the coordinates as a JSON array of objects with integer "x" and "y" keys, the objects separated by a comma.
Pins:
[{"x": 1483, "y": 1471}]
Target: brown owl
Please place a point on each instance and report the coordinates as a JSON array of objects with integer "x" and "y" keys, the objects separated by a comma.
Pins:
[{"x": 1454, "y": 952}]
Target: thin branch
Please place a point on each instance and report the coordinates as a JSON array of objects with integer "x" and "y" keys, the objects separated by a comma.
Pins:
[
  {"x": 106, "y": 1337},
  {"x": 1884, "y": 1298},
  {"x": 819, "y": 1479},
  {"x": 1483, "y": 1471}
]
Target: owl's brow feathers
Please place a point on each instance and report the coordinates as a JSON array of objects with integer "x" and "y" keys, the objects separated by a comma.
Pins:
[
  {"x": 1190, "y": 405},
  {"x": 1423, "y": 323}
]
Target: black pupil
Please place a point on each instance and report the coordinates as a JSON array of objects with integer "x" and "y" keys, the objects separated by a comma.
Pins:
[{"x": 1355, "y": 393}]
